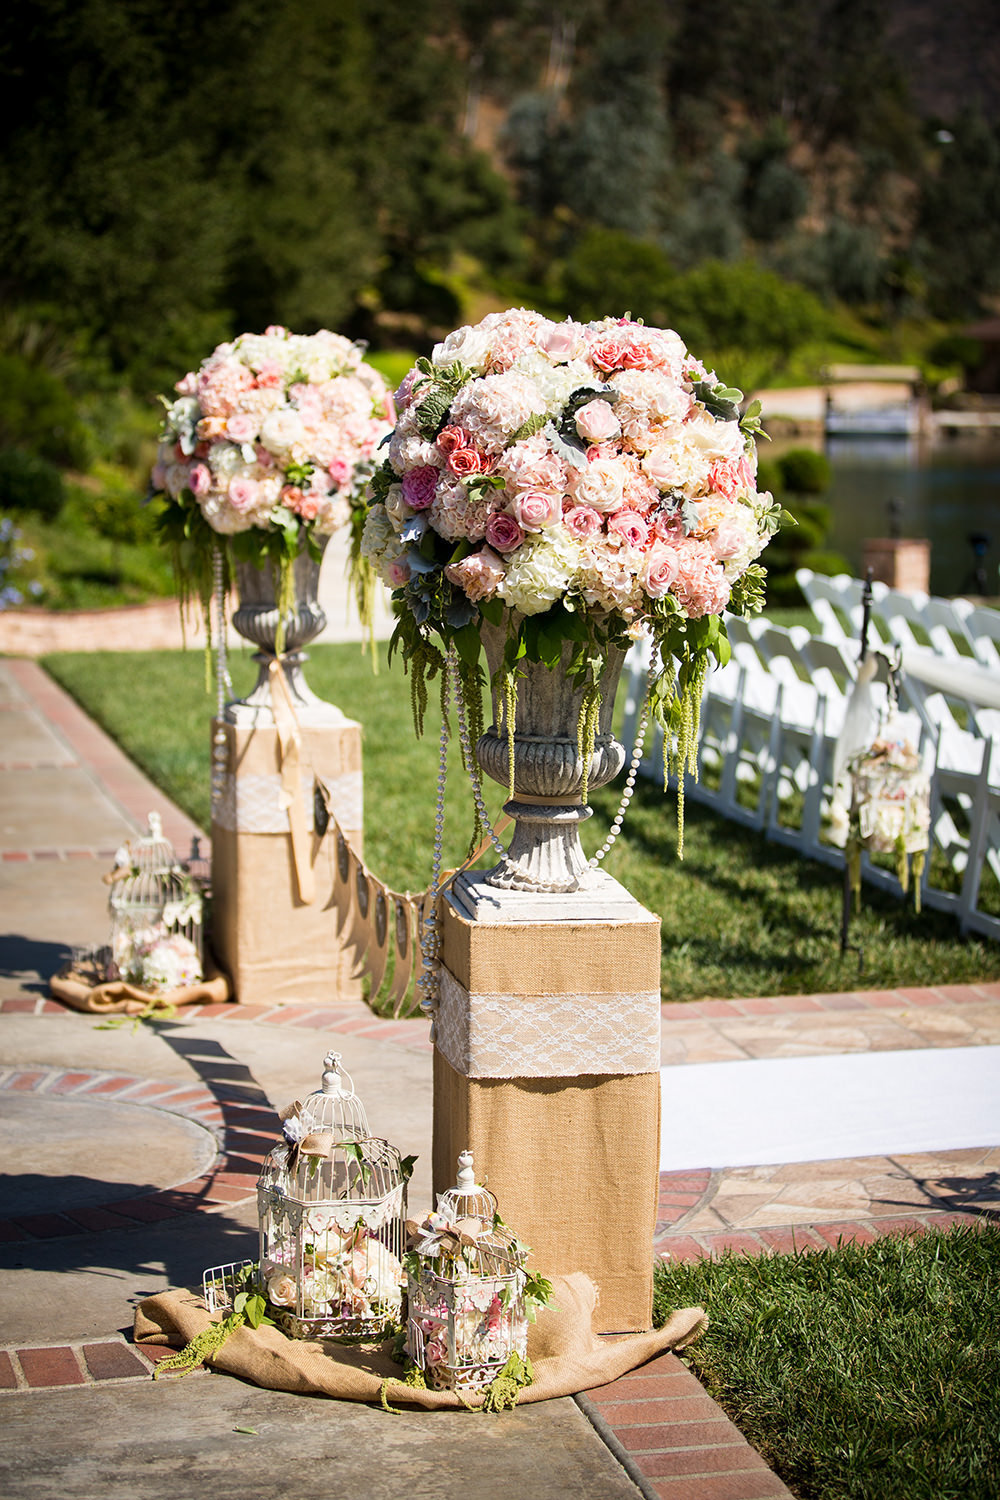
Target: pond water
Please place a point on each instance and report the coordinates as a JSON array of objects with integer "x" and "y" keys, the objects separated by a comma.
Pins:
[{"x": 949, "y": 490}]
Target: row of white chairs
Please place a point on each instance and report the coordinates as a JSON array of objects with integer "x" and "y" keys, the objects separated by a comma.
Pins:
[
  {"x": 952, "y": 627},
  {"x": 770, "y": 724}
]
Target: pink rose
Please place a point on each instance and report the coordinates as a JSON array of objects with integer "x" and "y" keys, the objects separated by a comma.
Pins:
[
  {"x": 659, "y": 570},
  {"x": 581, "y": 521},
  {"x": 396, "y": 573},
  {"x": 608, "y": 354},
  {"x": 241, "y": 428},
  {"x": 242, "y": 493},
  {"x": 478, "y": 575},
  {"x": 630, "y": 526},
  {"x": 638, "y": 356},
  {"x": 503, "y": 532},
  {"x": 339, "y": 471},
  {"x": 188, "y": 386},
  {"x": 269, "y": 375},
  {"x": 728, "y": 540},
  {"x": 419, "y": 486},
  {"x": 463, "y": 462},
  {"x": 536, "y": 509},
  {"x": 200, "y": 479},
  {"x": 560, "y": 343},
  {"x": 596, "y": 422},
  {"x": 450, "y": 439},
  {"x": 661, "y": 466},
  {"x": 291, "y": 496}
]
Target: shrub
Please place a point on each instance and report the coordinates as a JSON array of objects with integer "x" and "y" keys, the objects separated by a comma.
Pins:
[
  {"x": 38, "y": 414},
  {"x": 805, "y": 472},
  {"x": 30, "y": 483}
]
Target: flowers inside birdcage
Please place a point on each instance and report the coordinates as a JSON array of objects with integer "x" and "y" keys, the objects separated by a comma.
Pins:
[
  {"x": 572, "y": 482},
  {"x": 891, "y": 804},
  {"x": 332, "y": 1205},
  {"x": 470, "y": 1297},
  {"x": 156, "y": 915}
]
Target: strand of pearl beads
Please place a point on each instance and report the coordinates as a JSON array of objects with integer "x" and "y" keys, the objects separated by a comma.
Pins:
[
  {"x": 477, "y": 792},
  {"x": 220, "y": 755},
  {"x": 629, "y": 788},
  {"x": 429, "y": 982},
  {"x": 468, "y": 756}
]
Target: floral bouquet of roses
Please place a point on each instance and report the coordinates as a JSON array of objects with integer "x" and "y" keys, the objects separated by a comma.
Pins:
[
  {"x": 268, "y": 445},
  {"x": 571, "y": 482}
]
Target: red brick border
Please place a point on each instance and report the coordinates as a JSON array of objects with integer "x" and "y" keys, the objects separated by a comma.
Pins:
[
  {"x": 244, "y": 1133},
  {"x": 772, "y": 1005},
  {"x": 111, "y": 1361}
]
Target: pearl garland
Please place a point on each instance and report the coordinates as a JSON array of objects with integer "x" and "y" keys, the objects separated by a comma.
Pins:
[
  {"x": 430, "y": 977},
  {"x": 219, "y": 740}
]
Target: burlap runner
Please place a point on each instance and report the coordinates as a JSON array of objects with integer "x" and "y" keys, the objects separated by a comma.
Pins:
[
  {"x": 115, "y": 997},
  {"x": 566, "y": 1353}
]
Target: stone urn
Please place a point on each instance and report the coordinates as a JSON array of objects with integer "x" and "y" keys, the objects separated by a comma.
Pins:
[
  {"x": 256, "y": 620},
  {"x": 545, "y": 853}
]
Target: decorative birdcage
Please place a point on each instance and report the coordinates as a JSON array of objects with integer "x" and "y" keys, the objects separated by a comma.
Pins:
[
  {"x": 467, "y": 1309},
  {"x": 156, "y": 915},
  {"x": 892, "y": 800},
  {"x": 332, "y": 1206}
]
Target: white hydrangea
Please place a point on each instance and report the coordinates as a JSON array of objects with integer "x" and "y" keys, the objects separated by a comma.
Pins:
[{"x": 540, "y": 571}]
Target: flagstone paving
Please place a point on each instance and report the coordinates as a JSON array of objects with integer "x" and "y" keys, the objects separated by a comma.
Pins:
[{"x": 70, "y": 1271}]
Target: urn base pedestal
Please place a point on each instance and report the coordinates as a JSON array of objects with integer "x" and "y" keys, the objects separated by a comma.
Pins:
[
  {"x": 546, "y": 1067},
  {"x": 274, "y": 946}
]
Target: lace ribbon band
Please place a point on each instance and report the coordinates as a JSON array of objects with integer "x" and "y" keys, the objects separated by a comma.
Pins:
[{"x": 547, "y": 1036}]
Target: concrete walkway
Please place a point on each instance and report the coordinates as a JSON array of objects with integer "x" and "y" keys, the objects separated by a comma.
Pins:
[{"x": 132, "y": 1159}]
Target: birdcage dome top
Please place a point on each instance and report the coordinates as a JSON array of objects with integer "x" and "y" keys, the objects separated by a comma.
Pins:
[
  {"x": 467, "y": 1199},
  {"x": 326, "y": 1153}
]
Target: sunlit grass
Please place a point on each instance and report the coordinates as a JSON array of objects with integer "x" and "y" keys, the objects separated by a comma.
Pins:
[{"x": 869, "y": 1372}]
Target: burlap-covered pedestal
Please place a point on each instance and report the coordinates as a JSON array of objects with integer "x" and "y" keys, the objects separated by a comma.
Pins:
[
  {"x": 546, "y": 1066},
  {"x": 274, "y": 945}
]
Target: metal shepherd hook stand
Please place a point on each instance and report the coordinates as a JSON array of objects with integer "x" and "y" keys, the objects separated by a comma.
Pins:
[{"x": 845, "y": 917}]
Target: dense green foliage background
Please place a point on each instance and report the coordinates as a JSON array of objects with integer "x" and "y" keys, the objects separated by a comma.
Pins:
[{"x": 783, "y": 181}]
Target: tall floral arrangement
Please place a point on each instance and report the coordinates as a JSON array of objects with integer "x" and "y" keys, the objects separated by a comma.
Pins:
[
  {"x": 582, "y": 482},
  {"x": 269, "y": 446}
]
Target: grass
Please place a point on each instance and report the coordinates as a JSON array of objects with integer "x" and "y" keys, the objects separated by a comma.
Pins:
[
  {"x": 869, "y": 1372},
  {"x": 741, "y": 916}
]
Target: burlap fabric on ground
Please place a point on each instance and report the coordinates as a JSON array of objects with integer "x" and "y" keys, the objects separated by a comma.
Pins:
[
  {"x": 566, "y": 1353},
  {"x": 76, "y": 988}
]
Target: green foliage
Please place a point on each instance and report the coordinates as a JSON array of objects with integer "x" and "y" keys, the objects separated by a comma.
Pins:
[
  {"x": 958, "y": 232},
  {"x": 869, "y": 1372},
  {"x": 38, "y": 414},
  {"x": 31, "y": 483}
]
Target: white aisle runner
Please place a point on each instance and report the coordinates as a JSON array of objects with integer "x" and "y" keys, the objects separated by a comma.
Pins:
[{"x": 763, "y": 1113}]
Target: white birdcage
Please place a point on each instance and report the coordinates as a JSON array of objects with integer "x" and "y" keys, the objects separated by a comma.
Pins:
[
  {"x": 332, "y": 1206},
  {"x": 467, "y": 1312},
  {"x": 156, "y": 915}
]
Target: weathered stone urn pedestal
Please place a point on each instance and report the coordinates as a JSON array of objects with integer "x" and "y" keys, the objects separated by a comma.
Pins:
[{"x": 547, "y": 1051}]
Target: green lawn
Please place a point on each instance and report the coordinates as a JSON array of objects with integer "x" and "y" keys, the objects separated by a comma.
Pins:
[
  {"x": 870, "y": 1372},
  {"x": 740, "y": 916}
]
